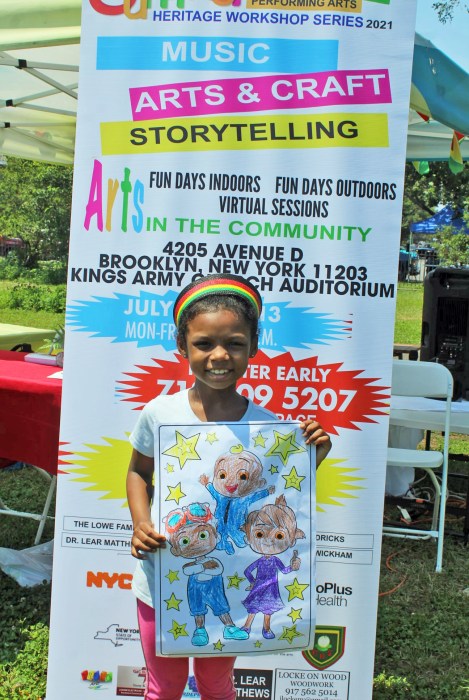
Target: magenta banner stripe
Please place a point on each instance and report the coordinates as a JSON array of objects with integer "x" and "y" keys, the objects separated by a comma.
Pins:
[{"x": 272, "y": 92}]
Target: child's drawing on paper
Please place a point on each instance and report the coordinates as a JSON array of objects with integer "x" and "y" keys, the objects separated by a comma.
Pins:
[
  {"x": 236, "y": 484},
  {"x": 269, "y": 531},
  {"x": 192, "y": 535},
  {"x": 236, "y": 504}
]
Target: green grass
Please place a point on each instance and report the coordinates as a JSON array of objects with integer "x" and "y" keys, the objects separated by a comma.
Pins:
[
  {"x": 407, "y": 328},
  {"x": 26, "y": 677},
  {"x": 26, "y": 317},
  {"x": 39, "y": 319},
  {"x": 23, "y": 489},
  {"x": 422, "y": 633}
]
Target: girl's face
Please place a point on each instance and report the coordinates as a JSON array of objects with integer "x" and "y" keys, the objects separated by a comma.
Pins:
[
  {"x": 218, "y": 345},
  {"x": 269, "y": 537}
]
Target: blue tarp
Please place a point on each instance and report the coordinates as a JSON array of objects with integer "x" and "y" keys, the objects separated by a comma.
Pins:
[
  {"x": 445, "y": 217},
  {"x": 440, "y": 88}
]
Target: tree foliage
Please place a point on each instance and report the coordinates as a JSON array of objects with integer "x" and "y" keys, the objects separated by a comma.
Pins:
[
  {"x": 35, "y": 205},
  {"x": 452, "y": 248},
  {"x": 424, "y": 193},
  {"x": 445, "y": 9}
]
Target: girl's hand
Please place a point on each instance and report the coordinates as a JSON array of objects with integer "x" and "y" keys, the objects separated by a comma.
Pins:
[
  {"x": 315, "y": 435},
  {"x": 145, "y": 539}
]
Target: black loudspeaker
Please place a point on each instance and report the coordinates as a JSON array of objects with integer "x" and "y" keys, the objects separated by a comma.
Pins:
[{"x": 445, "y": 324}]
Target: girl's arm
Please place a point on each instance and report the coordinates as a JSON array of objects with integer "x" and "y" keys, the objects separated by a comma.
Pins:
[
  {"x": 315, "y": 435},
  {"x": 139, "y": 494}
]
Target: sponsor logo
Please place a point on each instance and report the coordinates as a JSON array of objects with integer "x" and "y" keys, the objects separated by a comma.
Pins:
[
  {"x": 103, "y": 579},
  {"x": 117, "y": 635},
  {"x": 138, "y": 9},
  {"x": 329, "y": 647},
  {"x": 190, "y": 691},
  {"x": 131, "y": 681},
  {"x": 96, "y": 679}
]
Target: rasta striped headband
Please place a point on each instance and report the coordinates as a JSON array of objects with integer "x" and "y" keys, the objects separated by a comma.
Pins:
[{"x": 216, "y": 285}]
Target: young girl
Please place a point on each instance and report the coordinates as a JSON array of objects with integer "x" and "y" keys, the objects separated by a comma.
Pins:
[{"x": 217, "y": 319}]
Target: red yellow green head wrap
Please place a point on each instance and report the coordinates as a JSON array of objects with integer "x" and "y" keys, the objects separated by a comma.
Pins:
[{"x": 216, "y": 285}]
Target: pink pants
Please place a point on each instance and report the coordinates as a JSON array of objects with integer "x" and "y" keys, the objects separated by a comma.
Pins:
[{"x": 167, "y": 677}]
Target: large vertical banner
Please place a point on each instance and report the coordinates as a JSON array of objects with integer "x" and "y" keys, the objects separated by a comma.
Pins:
[{"x": 264, "y": 138}]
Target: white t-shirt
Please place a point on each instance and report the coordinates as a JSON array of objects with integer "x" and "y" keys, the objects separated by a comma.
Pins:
[{"x": 174, "y": 408}]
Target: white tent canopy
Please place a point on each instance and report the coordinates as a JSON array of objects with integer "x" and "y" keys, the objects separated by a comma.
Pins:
[{"x": 39, "y": 56}]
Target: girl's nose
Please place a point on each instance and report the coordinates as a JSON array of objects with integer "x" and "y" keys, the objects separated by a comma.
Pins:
[{"x": 219, "y": 353}]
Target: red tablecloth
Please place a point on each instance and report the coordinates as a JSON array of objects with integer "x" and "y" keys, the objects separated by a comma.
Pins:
[{"x": 29, "y": 411}]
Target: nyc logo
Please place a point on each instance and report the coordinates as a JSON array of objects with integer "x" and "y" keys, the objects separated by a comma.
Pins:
[{"x": 138, "y": 9}]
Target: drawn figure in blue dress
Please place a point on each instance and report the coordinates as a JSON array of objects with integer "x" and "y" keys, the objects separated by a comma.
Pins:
[
  {"x": 237, "y": 483},
  {"x": 192, "y": 535},
  {"x": 269, "y": 531}
]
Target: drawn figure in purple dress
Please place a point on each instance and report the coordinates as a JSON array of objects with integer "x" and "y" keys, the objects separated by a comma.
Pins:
[{"x": 269, "y": 531}]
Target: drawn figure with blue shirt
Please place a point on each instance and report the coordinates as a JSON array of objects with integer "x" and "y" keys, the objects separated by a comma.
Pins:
[
  {"x": 192, "y": 535},
  {"x": 237, "y": 483}
]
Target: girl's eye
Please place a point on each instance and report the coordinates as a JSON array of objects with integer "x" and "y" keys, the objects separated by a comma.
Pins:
[
  {"x": 259, "y": 534},
  {"x": 183, "y": 541},
  {"x": 279, "y": 535},
  {"x": 222, "y": 475},
  {"x": 203, "y": 535},
  {"x": 243, "y": 475}
]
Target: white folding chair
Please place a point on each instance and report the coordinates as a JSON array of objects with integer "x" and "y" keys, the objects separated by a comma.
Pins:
[
  {"x": 430, "y": 380},
  {"x": 40, "y": 517}
]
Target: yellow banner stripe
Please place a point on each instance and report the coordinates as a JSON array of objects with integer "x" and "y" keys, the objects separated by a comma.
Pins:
[{"x": 261, "y": 132}]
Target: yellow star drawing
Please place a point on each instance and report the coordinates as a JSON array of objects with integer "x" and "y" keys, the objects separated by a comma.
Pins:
[
  {"x": 259, "y": 440},
  {"x": 258, "y": 644},
  {"x": 172, "y": 576},
  {"x": 172, "y": 603},
  {"x": 211, "y": 438},
  {"x": 295, "y": 589},
  {"x": 169, "y": 468},
  {"x": 235, "y": 580},
  {"x": 218, "y": 645},
  {"x": 175, "y": 493},
  {"x": 284, "y": 446},
  {"x": 295, "y": 614},
  {"x": 273, "y": 469},
  {"x": 178, "y": 630},
  {"x": 293, "y": 480},
  {"x": 183, "y": 449},
  {"x": 290, "y": 633}
]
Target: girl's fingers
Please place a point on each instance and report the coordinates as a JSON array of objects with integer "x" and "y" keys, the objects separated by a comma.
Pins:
[{"x": 145, "y": 539}]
